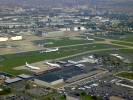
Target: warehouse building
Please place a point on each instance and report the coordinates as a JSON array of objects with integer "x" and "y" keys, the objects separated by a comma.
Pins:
[
  {"x": 58, "y": 77},
  {"x": 16, "y": 38},
  {"x": 3, "y": 39},
  {"x": 12, "y": 38}
]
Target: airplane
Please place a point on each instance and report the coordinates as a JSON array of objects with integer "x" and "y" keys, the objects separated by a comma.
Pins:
[
  {"x": 31, "y": 67},
  {"x": 50, "y": 50},
  {"x": 117, "y": 55},
  {"x": 87, "y": 87},
  {"x": 73, "y": 62},
  {"x": 90, "y": 39},
  {"x": 54, "y": 65}
]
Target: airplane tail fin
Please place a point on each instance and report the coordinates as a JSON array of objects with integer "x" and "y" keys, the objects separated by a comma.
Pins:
[{"x": 26, "y": 63}]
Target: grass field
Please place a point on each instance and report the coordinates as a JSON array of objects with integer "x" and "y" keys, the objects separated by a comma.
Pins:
[
  {"x": 92, "y": 37},
  {"x": 60, "y": 42},
  {"x": 10, "y": 61},
  {"x": 125, "y": 36},
  {"x": 128, "y": 75},
  {"x": 127, "y": 51},
  {"x": 59, "y": 97},
  {"x": 128, "y": 38},
  {"x": 122, "y": 43},
  {"x": 84, "y": 96}
]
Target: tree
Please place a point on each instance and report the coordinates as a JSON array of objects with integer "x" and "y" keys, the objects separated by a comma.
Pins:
[{"x": 27, "y": 86}]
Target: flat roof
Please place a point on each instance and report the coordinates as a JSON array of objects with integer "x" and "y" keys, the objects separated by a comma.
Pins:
[
  {"x": 65, "y": 73},
  {"x": 24, "y": 76},
  {"x": 12, "y": 80},
  {"x": 49, "y": 77}
]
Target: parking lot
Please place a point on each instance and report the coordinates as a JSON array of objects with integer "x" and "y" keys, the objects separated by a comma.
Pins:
[{"x": 104, "y": 87}]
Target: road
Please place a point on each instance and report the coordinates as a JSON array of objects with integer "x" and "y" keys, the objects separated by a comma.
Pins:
[{"x": 109, "y": 41}]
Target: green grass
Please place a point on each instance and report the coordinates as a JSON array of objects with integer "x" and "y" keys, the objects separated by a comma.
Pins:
[
  {"x": 5, "y": 91},
  {"x": 93, "y": 37},
  {"x": 60, "y": 42},
  {"x": 128, "y": 75},
  {"x": 126, "y": 51},
  {"x": 51, "y": 96},
  {"x": 122, "y": 51},
  {"x": 122, "y": 43},
  {"x": 13, "y": 60},
  {"x": 128, "y": 38},
  {"x": 84, "y": 96}
]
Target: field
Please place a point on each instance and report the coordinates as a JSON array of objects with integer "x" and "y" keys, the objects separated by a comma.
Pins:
[
  {"x": 60, "y": 42},
  {"x": 124, "y": 36},
  {"x": 9, "y": 61},
  {"x": 31, "y": 43},
  {"x": 128, "y": 75},
  {"x": 24, "y": 45},
  {"x": 122, "y": 43},
  {"x": 128, "y": 38},
  {"x": 68, "y": 46},
  {"x": 84, "y": 96}
]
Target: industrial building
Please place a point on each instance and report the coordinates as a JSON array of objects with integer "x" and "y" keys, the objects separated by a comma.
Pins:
[
  {"x": 48, "y": 82},
  {"x": 15, "y": 38},
  {"x": 12, "y": 38},
  {"x": 60, "y": 76},
  {"x": 12, "y": 80},
  {"x": 3, "y": 39}
]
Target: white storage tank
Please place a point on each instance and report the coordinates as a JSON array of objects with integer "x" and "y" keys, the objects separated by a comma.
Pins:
[
  {"x": 76, "y": 28},
  {"x": 80, "y": 28}
]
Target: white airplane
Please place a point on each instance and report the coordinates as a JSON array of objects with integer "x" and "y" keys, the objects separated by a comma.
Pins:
[
  {"x": 117, "y": 55},
  {"x": 90, "y": 39},
  {"x": 54, "y": 65},
  {"x": 81, "y": 88},
  {"x": 73, "y": 62},
  {"x": 31, "y": 67},
  {"x": 49, "y": 50},
  {"x": 52, "y": 49},
  {"x": 87, "y": 87}
]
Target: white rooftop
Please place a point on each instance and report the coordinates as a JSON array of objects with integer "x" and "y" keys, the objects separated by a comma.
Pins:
[
  {"x": 24, "y": 76},
  {"x": 11, "y": 80}
]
